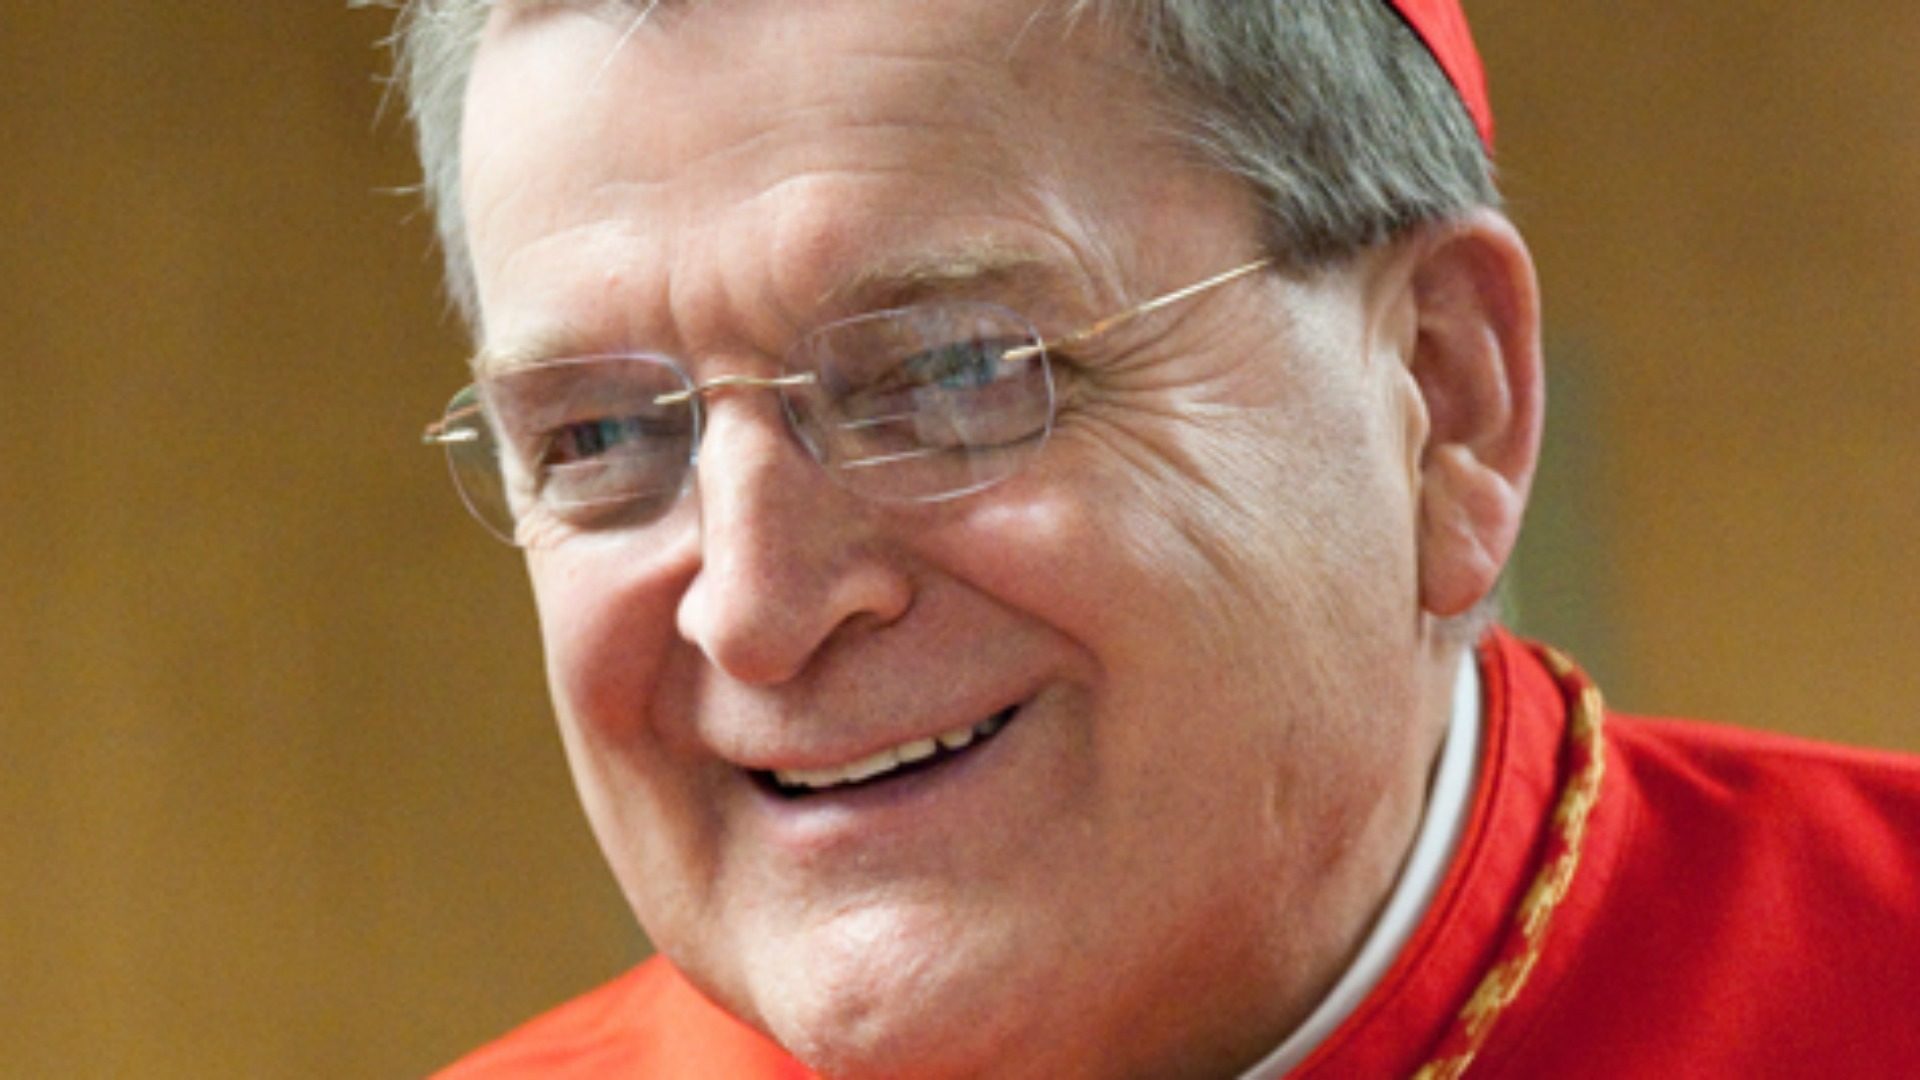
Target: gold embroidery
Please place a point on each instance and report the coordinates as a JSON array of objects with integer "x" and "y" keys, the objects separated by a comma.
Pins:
[{"x": 1502, "y": 984}]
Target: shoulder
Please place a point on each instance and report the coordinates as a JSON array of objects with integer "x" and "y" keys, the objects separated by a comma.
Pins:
[
  {"x": 1775, "y": 790},
  {"x": 1745, "y": 907},
  {"x": 1800, "y": 836},
  {"x": 649, "y": 1022},
  {"x": 1763, "y": 888}
]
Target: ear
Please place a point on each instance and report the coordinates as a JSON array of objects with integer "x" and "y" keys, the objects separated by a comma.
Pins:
[{"x": 1476, "y": 359}]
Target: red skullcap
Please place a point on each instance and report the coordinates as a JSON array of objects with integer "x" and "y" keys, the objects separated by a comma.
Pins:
[{"x": 1443, "y": 26}]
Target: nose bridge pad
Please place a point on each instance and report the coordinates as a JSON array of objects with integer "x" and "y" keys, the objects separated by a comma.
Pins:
[
  {"x": 805, "y": 425},
  {"x": 802, "y": 427},
  {"x": 726, "y": 384}
]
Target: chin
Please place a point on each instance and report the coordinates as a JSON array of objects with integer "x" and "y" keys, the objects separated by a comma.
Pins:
[{"x": 897, "y": 994}]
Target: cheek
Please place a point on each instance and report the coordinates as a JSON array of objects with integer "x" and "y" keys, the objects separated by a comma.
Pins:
[
  {"x": 1249, "y": 565},
  {"x": 607, "y": 625},
  {"x": 1196, "y": 616},
  {"x": 1267, "y": 515},
  {"x": 607, "y": 622}
]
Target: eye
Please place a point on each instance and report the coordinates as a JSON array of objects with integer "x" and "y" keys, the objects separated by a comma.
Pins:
[
  {"x": 591, "y": 442},
  {"x": 909, "y": 382},
  {"x": 586, "y": 440},
  {"x": 623, "y": 453},
  {"x": 957, "y": 365},
  {"x": 895, "y": 397},
  {"x": 624, "y": 465}
]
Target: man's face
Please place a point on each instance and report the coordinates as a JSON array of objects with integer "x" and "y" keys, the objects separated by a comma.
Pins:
[{"x": 1195, "y": 610}]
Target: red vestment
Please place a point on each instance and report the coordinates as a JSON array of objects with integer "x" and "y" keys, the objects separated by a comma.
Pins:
[{"x": 1743, "y": 905}]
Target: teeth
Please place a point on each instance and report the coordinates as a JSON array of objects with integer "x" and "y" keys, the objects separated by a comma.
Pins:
[
  {"x": 890, "y": 759},
  {"x": 918, "y": 750}
]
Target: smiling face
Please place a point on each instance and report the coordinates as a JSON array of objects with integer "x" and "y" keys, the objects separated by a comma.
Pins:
[{"x": 1176, "y": 666}]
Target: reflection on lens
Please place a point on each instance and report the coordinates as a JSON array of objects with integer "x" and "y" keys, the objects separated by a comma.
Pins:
[{"x": 924, "y": 402}]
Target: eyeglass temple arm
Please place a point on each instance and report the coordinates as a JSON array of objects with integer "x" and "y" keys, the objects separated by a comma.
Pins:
[
  {"x": 1114, "y": 322},
  {"x": 437, "y": 433}
]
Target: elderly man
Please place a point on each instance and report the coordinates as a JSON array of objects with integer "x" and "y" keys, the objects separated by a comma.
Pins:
[{"x": 1012, "y": 489}]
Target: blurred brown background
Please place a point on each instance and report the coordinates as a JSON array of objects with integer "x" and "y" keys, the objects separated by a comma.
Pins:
[{"x": 280, "y": 793}]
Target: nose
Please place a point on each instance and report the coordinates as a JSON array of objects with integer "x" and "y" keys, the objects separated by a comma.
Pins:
[{"x": 788, "y": 559}]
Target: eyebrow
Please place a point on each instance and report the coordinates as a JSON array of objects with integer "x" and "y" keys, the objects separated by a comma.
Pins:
[
  {"x": 904, "y": 279},
  {"x": 876, "y": 286},
  {"x": 549, "y": 344}
]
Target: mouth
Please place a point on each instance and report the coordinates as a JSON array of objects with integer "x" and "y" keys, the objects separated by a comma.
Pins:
[{"x": 906, "y": 759}]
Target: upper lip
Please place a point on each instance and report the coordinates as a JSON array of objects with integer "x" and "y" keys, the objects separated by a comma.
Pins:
[
  {"x": 822, "y": 757},
  {"x": 892, "y": 757}
]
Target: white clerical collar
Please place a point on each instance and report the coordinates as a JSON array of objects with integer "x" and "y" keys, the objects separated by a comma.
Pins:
[{"x": 1448, "y": 802}]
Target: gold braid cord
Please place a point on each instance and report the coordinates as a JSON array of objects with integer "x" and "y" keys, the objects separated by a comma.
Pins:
[{"x": 1520, "y": 949}]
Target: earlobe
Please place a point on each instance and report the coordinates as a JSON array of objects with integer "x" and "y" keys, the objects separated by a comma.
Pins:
[
  {"x": 1469, "y": 519},
  {"x": 1476, "y": 360}
]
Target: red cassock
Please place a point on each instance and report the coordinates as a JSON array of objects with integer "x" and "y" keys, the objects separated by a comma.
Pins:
[{"x": 1631, "y": 898}]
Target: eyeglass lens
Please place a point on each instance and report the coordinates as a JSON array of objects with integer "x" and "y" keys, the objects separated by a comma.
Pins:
[{"x": 920, "y": 403}]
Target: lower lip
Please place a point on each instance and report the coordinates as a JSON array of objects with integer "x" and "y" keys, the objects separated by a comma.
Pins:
[{"x": 906, "y": 801}]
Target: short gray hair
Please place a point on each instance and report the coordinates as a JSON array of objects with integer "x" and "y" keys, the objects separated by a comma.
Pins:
[{"x": 1333, "y": 110}]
